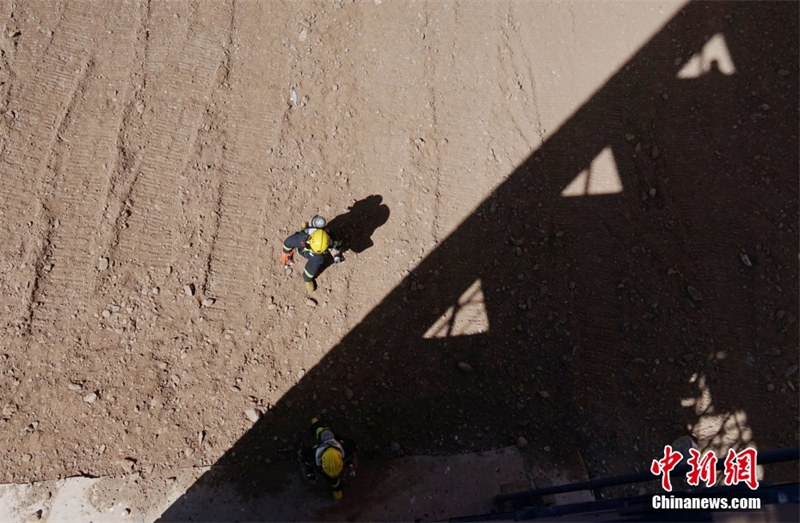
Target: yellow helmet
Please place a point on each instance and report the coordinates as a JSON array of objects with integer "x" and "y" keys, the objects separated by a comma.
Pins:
[
  {"x": 319, "y": 241},
  {"x": 332, "y": 462}
]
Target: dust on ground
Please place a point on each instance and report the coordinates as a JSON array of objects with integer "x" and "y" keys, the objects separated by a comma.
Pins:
[{"x": 499, "y": 284}]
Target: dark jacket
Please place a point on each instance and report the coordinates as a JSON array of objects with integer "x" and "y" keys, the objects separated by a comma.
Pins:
[
  {"x": 309, "y": 454},
  {"x": 299, "y": 241}
]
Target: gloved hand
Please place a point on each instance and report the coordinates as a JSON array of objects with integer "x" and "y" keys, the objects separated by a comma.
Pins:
[{"x": 286, "y": 258}]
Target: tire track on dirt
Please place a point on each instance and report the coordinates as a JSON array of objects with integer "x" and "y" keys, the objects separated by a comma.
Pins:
[
  {"x": 84, "y": 174},
  {"x": 27, "y": 180},
  {"x": 8, "y": 36},
  {"x": 126, "y": 170},
  {"x": 464, "y": 173},
  {"x": 50, "y": 182},
  {"x": 515, "y": 64},
  {"x": 233, "y": 268},
  {"x": 431, "y": 73},
  {"x": 148, "y": 228},
  {"x": 218, "y": 136}
]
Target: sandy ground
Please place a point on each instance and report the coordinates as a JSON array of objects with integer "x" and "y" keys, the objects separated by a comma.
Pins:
[{"x": 569, "y": 222}]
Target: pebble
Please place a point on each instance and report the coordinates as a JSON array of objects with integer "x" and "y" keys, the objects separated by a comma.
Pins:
[
  {"x": 394, "y": 447},
  {"x": 783, "y": 73},
  {"x": 208, "y": 302},
  {"x": 348, "y": 394},
  {"x": 74, "y": 386},
  {"x": 694, "y": 294},
  {"x": 90, "y": 398},
  {"x": 189, "y": 289},
  {"x": 745, "y": 260},
  {"x": 770, "y": 387},
  {"x": 522, "y": 442},
  {"x": 252, "y": 415},
  {"x": 102, "y": 263},
  {"x": 791, "y": 370},
  {"x": 311, "y": 302},
  {"x": 544, "y": 394},
  {"x": 464, "y": 366},
  {"x": 106, "y": 313}
]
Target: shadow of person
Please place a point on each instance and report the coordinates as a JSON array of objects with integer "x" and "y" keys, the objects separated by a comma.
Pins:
[{"x": 357, "y": 225}]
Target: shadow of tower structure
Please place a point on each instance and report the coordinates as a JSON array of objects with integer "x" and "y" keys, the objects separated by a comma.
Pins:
[{"x": 607, "y": 304}]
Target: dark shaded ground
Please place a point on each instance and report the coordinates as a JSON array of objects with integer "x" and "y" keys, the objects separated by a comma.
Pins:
[{"x": 605, "y": 312}]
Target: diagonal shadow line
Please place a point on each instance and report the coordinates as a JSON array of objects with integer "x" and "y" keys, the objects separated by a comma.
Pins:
[{"x": 601, "y": 281}]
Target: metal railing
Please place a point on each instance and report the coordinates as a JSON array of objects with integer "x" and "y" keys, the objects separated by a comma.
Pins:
[{"x": 636, "y": 507}]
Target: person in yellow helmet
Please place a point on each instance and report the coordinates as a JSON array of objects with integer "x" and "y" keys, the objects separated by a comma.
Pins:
[
  {"x": 313, "y": 242},
  {"x": 331, "y": 457}
]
